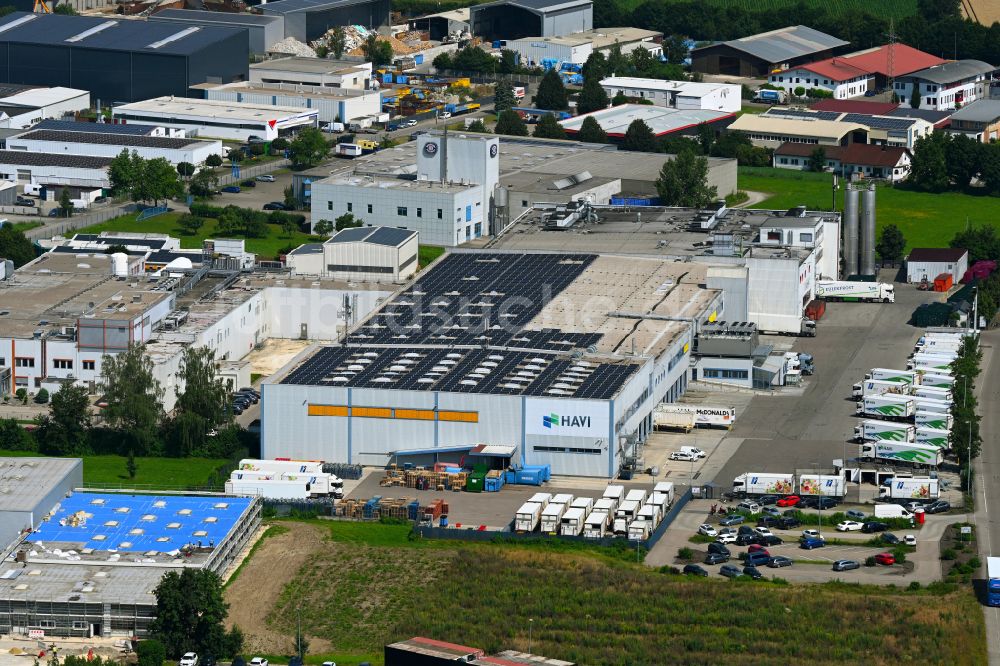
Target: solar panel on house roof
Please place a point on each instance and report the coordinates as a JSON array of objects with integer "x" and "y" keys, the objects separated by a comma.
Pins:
[
  {"x": 99, "y": 128},
  {"x": 880, "y": 122},
  {"x": 803, "y": 113}
]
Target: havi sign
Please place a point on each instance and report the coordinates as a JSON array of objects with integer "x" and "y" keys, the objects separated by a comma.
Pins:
[{"x": 566, "y": 418}]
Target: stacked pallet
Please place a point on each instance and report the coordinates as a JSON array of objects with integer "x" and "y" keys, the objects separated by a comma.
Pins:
[{"x": 377, "y": 508}]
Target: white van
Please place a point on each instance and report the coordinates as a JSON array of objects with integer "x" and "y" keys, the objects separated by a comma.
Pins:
[{"x": 694, "y": 451}]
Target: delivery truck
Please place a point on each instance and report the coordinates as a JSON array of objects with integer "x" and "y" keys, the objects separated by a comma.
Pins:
[
  {"x": 761, "y": 483},
  {"x": 873, "y": 431},
  {"x": 891, "y": 511},
  {"x": 931, "y": 405},
  {"x": 528, "y": 517},
  {"x": 876, "y": 387},
  {"x": 827, "y": 485},
  {"x": 552, "y": 518},
  {"x": 932, "y": 392},
  {"x": 666, "y": 488},
  {"x": 572, "y": 521},
  {"x": 704, "y": 416},
  {"x": 917, "y": 454},
  {"x": 935, "y": 420},
  {"x": 907, "y": 489},
  {"x": 768, "y": 96},
  {"x": 596, "y": 525},
  {"x": 993, "y": 581},
  {"x": 888, "y": 375},
  {"x": 944, "y": 381},
  {"x": 932, "y": 437},
  {"x": 891, "y": 406},
  {"x": 870, "y": 292}
]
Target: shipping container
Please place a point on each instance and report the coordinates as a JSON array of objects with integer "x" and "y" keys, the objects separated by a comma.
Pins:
[
  {"x": 596, "y": 524},
  {"x": 551, "y": 517},
  {"x": 572, "y": 521},
  {"x": 527, "y": 517},
  {"x": 585, "y": 503},
  {"x": 815, "y": 309},
  {"x": 943, "y": 282}
]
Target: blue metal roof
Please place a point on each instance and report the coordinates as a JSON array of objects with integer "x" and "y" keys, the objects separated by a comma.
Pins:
[{"x": 289, "y": 6}]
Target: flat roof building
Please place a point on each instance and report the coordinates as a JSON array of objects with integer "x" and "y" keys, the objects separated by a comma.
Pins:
[
  {"x": 677, "y": 94},
  {"x": 516, "y": 19},
  {"x": 27, "y": 107},
  {"x": 307, "y": 20},
  {"x": 134, "y": 129},
  {"x": 860, "y": 160},
  {"x": 218, "y": 119},
  {"x": 118, "y": 60},
  {"x": 758, "y": 55},
  {"x": 770, "y": 131},
  {"x": 663, "y": 121},
  {"x": 578, "y": 46},
  {"x": 330, "y": 104},
  {"x": 371, "y": 254},
  {"x": 31, "y": 488},
  {"x": 94, "y": 144},
  {"x": 313, "y": 72},
  {"x": 882, "y": 130}
]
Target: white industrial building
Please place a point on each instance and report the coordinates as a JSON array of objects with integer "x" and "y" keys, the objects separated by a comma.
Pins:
[
  {"x": 577, "y": 47},
  {"x": 32, "y": 488},
  {"x": 53, "y": 169},
  {"x": 331, "y": 104},
  {"x": 95, "y": 144},
  {"x": 360, "y": 254},
  {"x": 31, "y": 105},
  {"x": 321, "y": 72},
  {"x": 492, "y": 348},
  {"x": 216, "y": 118},
  {"x": 615, "y": 120},
  {"x": 948, "y": 86},
  {"x": 448, "y": 202},
  {"x": 926, "y": 263},
  {"x": 676, "y": 94},
  {"x": 881, "y": 130}
]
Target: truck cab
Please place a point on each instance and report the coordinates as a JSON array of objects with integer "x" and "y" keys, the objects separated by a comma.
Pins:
[{"x": 993, "y": 581}]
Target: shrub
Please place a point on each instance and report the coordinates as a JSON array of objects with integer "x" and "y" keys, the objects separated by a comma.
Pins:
[
  {"x": 150, "y": 653},
  {"x": 213, "y": 161},
  {"x": 800, "y": 91},
  {"x": 280, "y": 217},
  {"x": 948, "y": 554},
  {"x": 870, "y": 561},
  {"x": 685, "y": 554},
  {"x": 975, "y": 563},
  {"x": 22, "y": 395},
  {"x": 42, "y": 397},
  {"x": 914, "y": 586},
  {"x": 206, "y": 210},
  {"x": 899, "y": 554}
]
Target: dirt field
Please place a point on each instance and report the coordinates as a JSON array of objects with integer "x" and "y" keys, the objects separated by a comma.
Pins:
[
  {"x": 274, "y": 354},
  {"x": 258, "y": 586},
  {"x": 987, "y": 11}
]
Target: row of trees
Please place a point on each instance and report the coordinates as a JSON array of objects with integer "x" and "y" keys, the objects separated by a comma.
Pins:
[
  {"x": 951, "y": 161},
  {"x": 140, "y": 179},
  {"x": 964, "y": 439}
]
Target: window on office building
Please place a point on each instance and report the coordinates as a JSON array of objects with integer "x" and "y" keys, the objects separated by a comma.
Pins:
[
  {"x": 401, "y": 211},
  {"x": 62, "y": 364},
  {"x": 329, "y": 205},
  {"x": 440, "y": 213},
  {"x": 721, "y": 373},
  {"x": 420, "y": 212},
  {"x": 89, "y": 365},
  {"x": 350, "y": 207},
  {"x": 24, "y": 362},
  {"x": 369, "y": 208}
]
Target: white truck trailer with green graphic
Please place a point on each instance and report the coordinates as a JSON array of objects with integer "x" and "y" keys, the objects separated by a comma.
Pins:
[
  {"x": 918, "y": 454},
  {"x": 935, "y": 420},
  {"x": 932, "y": 437},
  {"x": 887, "y": 406},
  {"x": 889, "y": 375},
  {"x": 871, "y": 431}
]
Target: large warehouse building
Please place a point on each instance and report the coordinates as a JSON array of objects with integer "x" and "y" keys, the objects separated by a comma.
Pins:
[
  {"x": 516, "y": 19},
  {"x": 118, "y": 60},
  {"x": 262, "y": 31},
  {"x": 307, "y": 20},
  {"x": 31, "y": 488},
  {"x": 759, "y": 55},
  {"x": 561, "y": 358},
  {"x": 96, "y": 144}
]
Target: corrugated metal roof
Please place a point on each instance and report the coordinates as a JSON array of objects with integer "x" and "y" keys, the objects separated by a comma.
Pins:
[
  {"x": 785, "y": 44},
  {"x": 223, "y": 18},
  {"x": 111, "y": 34},
  {"x": 936, "y": 254},
  {"x": 769, "y": 124},
  {"x": 538, "y": 5},
  {"x": 130, "y": 140},
  {"x": 99, "y": 128},
  {"x": 950, "y": 72},
  {"x": 289, "y": 6},
  {"x": 980, "y": 111}
]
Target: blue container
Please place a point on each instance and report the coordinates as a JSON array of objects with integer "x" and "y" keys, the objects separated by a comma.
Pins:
[
  {"x": 494, "y": 484},
  {"x": 413, "y": 510},
  {"x": 371, "y": 506},
  {"x": 387, "y": 78},
  {"x": 401, "y": 79},
  {"x": 444, "y": 521}
]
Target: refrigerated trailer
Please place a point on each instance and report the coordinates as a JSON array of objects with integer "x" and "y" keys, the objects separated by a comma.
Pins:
[
  {"x": 268, "y": 488},
  {"x": 666, "y": 488},
  {"x": 934, "y": 420},
  {"x": 624, "y": 516},
  {"x": 876, "y": 387},
  {"x": 639, "y": 530},
  {"x": 933, "y": 437},
  {"x": 839, "y": 290},
  {"x": 932, "y": 361},
  {"x": 931, "y": 405},
  {"x": 887, "y": 406},
  {"x": 870, "y": 431},
  {"x": 572, "y": 521},
  {"x": 937, "y": 380},
  {"x": 528, "y": 516},
  {"x": 910, "y": 489},
  {"x": 596, "y": 525},
  {"x": 919, "y": 454},
  {"x": 551, "y": 518},
  {"x": 932, "y": 392},
  {"x": 761, "y": 483},
  {"x": 585, "y": 503},
  {"x": 828, "y": 485},
  {"x": 888, "y": 375},
  {"x": 684, "y": 417},
  {"x": 614, "y": 493}
]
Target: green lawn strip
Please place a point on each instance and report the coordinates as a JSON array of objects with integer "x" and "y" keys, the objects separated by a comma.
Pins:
[
  {"x": 153, "y": 473},
  {"x": 428, "y": 253},
  {"x": 25, "y": 226}
]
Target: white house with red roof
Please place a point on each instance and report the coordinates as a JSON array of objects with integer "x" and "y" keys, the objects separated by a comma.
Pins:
[{"x": 834, "y": 75}]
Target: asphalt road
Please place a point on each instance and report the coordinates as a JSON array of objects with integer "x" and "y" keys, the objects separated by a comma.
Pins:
[{"x": 987, "y": 477}]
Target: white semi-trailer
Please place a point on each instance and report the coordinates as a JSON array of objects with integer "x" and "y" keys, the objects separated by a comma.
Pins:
[
  {"x": 937, "y": 380},
  {"x": 887, "y": 406},
  {"x": 935, "y": 420},
  {"x": 875, "y": 431},
  {"x": 932, "y": 392},
  {"x": 876, "y": 386},
  {"x": 528, "y": 517},
  {"x": 933, "y": 437},
  {"x": 918, "y": 454},
  {"x": 910, "y": 489},
  {"x": 596, "y": 525},
  {"x": 551, "y": 518},
  {"x": 827, "y": 485},
  {"x": 762, "y": 483},
  {"x": 839, "y": 290},
  {"x": 889, "y": 375},
  {"x": 572, "y": 521},
  {"x": 932, "y": 405}
]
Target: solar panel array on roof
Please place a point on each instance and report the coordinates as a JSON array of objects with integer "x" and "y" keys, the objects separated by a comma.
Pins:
[
  {"x": 803, "y": 113},
  {"x": 97, "y": 128},
  {"x": 480, "y": 299},
  {"x": 151, "y": 243},
  {"x": 880, "y": 122},
  {"x": 390, "y": 236},
  {"x": 108, "y": 139}
]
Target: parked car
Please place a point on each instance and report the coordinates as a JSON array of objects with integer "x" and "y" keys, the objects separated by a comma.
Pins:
[
  {"x": 885, "y": 559},
  {"x": 789, "y": 523},
  {"x": 726, "y": 538},
  {"x": 849, "y": 526},
  {"x": 846, "y": 565},
  {"x": 768, "y": 500},
  {"x": 818, "y": 503},
  {"x": 694, "y": 570},
  {"x": 755, "y": 559},
  {"x": 811, "y": 534},
  {"x": 253, "y": 138},
  {"x": 188, "y": 659},
  {"x": 728, "y": 531},
  {"x": 444, "y": 115},
  {"x": 707, "y": 530},
  {"x": 940, "y": 506},
  {"x": 790, "y": 500},
  {"x": 809, "y": 544},
  {"x": 730, "y": 571},
  {"x": 25, "y": 201},
  {"x": 232, "y": 189},
  {"x": 910, "y": 540},
  {"x": 873, "y": 526},
  {"x": 253, "y": 397},
  {"x": 682, "y": 455},
  {"x": 248, "y": 183},
  {"x": 854, "y": 514},
  {"x": 410, "y": 123},
  {"x": 762, "y": 531},
  {"x": 753, "y": 572},
  {"x": 258, "y": 661},
  {"x": 716, "y": 558},
  {"x": 889, "y": 538},
  {"x": 274, "y": 205},
  {"x": 747, "y": 539},
  {"x": 265, "y": 179},
  {"x": 734, "y": 519},
  {"x": 779, "y": 561},
  {"x": 745, "y": 529},
  {"x": 772, "y": 540},
  {"x": 719, "y": 549},
  {"x": 752, "y": 507},
  {"x": 771, "y": 511},
  {"x": 757, "y": 548},
  {"x": 769, "y": 521},
  {"x": 913, "y": 506},
  {"x": 249, "y": 389}
]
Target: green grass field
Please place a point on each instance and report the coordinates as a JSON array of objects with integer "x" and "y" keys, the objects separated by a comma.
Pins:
[
  {"x": 926, "y": 220},
  {"x": 370, "y": 584},
  {"x": 25, "y": 226},
  {"x": 153, "y": 473}
]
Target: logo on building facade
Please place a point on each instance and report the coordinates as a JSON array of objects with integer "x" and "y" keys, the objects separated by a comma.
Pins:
[
  {"x": 430, "y": 148},
  {"x": 494, "y": 149},
  {"x": 555, "y": 421}
]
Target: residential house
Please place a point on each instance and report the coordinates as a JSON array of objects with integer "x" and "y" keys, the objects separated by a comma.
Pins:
[{"x": 853, "y": 161}]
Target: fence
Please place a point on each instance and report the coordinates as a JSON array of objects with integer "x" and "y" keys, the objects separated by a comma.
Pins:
[
  {"x": 62, "y": 226},
  {"x": 254, "y": 171}
]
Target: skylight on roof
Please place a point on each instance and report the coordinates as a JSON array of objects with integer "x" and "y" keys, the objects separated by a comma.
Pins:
[
  {"x": 174, "y": 37},
  {"x": 93, "y": 31}
]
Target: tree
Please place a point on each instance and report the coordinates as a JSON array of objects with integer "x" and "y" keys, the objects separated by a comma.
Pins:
[
  {"x": 618, "y": 63},
  {"x": 63, "y": 8},
  {"x": 964, "y": 157},
  {"x": 982, "y": 242},
  {"x": 130, "y": 467},
  {"x": 378, "y": 51},
  {"x": 549, "y": 128},
  {"x": 309, "y": 148},
  {"x": 204, "y": 183},
  {"x": 14, "y": 245},
  {"x": 639, "y": 137},
  {"x": 123, "y": 173},
  {"x": 799, "y": 91},
  {"x": 134, "y": 398},
  {"x": 683, "y": 181},
  {"x": 42, "y": 397},
  {"x": 551, "y": 92},
  {"x": 213, "y": 161},
  {"x": 477, "y": 126},
  {"x": 474, "y": 59},
  {"x": 65, "y": 203},
  {"x": 511, "y": 124},
  {"x": 929, "y": 168},
  {"x": 190, "y": 615},
  {"x": 190, "y": 223},
  {"x": 279, "y": 144},
  {"x": 289, "y": 228},
  {"x": 591, "y": 131},
  {"x": 185, "y": 169},
  {"x": 347, "y": 221},
  {"x": 675, "y": 49},
  {"x": 442, "y": 61},
  {"x": 817, "y": 159},
  {"x": 160, "y": 180},
  {"x": 323, "y": 228},
  {"x": 509, "y": 61},
  {"x": 596, "y": 67},
  {"x": 289, "y": 198},
  {"x": 202, "y": 402},
  {"x": 891, "y": 244},
  {"x": 503, "y": 97},
  {"x": 22, "y": 395},
  {"x": 150, "y": 653},
  {"x": 592, "y": 97},
  {"x": 915, "y": 96},
  {"x": 13, "y": 436},
  {"x": 65, "y": 430},
  {"x": 338, "y": 42}
]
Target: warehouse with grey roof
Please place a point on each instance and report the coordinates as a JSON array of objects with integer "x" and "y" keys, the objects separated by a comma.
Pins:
[
  {"x": 757, "y": 55},
  {"x": 307, "y": 20},
  {"x": 516, "y": 19}
]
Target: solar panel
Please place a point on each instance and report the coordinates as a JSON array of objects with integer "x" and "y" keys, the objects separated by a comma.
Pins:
[
  {"x": 879, "y": 122},
  {"x": 803, "y": 113}
]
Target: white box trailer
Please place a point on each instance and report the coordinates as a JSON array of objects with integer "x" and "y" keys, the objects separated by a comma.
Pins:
[
  {"x": 639, "y": 530},
  {"x": 762, "y": 483},
  {"x": 660, "y": 501},
  {"x": 911, "y": 452},
  {"x": 572, "y": 521},
  {"x": 872, "y": 431},
  {"x": 933, "y": 437},
  {"x": 666, "y": 488},
  {"x": 551, "y": 518},
  {"x": 935, "y": 420},
  {"x": 279, "y": 466},
  {"x": 585, "y": 503},
  {"x": 636, "y": 495},
  {"x": 887, "y": 406},
  {"x": 541, "y": 498},
  {"x": 933, "y": 392},
  {"x": 615, "y": 493},
  {"x": 935, "y": 344},
  {"x": 651, "y": 514},
  {"x": 931, "y": 405},
  {"x": 942, "y": 381},
  {"x": 871, "y": 292},
  {"x": 562, "y": 498},
  {"x": 910, "y": 489},
  {"x": 827, "y": 485},
  {"x": 705, "y": 416},
  {"x": 605, "y": 504},
  {"x": 269, "y": 488},
  {"x": 889, "y": 375},
  {"x": 624, "y": 516},
  {"x": 877, "y": 386},
  {"x": 666, "y": 417},
  {"x": 596, "y": 525},
  {"x": 933, "y": 361},
  {"x": 528, "y": 516}
]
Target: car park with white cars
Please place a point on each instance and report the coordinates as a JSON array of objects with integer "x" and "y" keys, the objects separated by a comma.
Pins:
[
  {"x": 707, "y": 530},
  {"x": 849, "y": 526}
]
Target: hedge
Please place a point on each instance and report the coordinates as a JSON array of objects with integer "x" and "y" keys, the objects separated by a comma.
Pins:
[{"x": 274, "y": 217}]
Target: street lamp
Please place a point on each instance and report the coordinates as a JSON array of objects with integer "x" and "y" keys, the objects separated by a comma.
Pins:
[{"x": 531, "y": 621}]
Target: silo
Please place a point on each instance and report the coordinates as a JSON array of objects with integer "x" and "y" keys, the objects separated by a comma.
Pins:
[
  {"x": 850, "y": 231},
  {"x": 866, "y": 259}
]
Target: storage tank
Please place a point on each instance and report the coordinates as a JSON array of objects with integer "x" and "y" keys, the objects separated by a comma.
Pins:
[
  {"x": 866, "y": 258},
  {"x": 119, "y": 264},
  {"x": 851, "y": 196}
]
